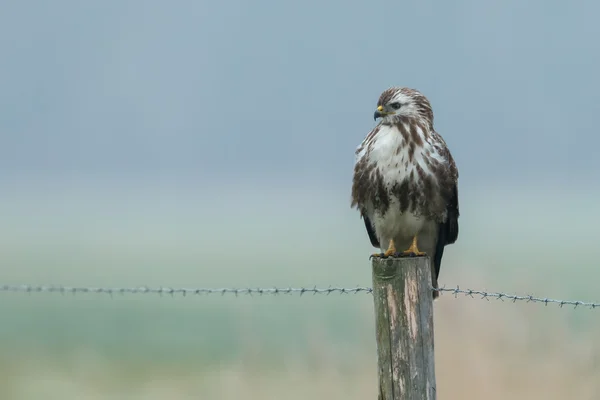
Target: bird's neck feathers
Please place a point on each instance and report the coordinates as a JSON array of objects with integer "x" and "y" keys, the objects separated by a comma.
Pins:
[
  {"x": 421, "y": 121},
  {"x": 412, "y": 129}
]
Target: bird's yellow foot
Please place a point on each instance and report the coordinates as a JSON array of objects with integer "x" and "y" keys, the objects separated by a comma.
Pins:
[
  {"x": 391, "y": 250},
  {"x": 413, "y": 250}
]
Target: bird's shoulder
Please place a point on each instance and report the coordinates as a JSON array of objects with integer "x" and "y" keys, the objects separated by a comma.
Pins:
[{"x": 438, "y": 144}]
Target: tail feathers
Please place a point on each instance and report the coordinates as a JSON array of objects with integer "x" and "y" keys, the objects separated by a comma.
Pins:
[
  {"x": 436, "y": 262},
  {"x": 434, "y": 283}
]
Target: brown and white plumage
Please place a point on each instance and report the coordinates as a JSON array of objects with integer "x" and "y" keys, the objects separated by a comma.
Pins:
[{"x": 405, "y": 180}]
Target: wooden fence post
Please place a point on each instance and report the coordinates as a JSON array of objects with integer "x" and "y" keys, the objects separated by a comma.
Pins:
[{"x": 404, "y": 328}]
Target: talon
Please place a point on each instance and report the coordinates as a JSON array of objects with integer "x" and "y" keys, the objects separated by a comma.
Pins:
[
  {"x": 413, "y": 250},
  {"x": 390, "y": 252}
]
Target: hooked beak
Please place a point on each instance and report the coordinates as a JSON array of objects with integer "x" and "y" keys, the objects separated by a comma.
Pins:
[{"x": 379, "y": 113}]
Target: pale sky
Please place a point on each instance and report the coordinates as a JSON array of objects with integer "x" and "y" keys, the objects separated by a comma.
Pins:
[{"x": 255, "y": 91}]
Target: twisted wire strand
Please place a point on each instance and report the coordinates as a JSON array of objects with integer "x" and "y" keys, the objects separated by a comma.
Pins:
[{"x": 280, "y": 291}]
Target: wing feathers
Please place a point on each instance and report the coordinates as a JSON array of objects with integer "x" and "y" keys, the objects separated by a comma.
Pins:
[
  {"x": 452, "y": 218},
  {"x": 447, "y": 231}
]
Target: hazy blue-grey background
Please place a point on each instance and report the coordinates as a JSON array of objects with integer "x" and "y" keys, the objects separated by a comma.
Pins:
[{"x": 198, "y": 143}]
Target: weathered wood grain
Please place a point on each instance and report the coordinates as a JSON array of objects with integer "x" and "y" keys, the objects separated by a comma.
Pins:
[{"x": 404, "y": 328}]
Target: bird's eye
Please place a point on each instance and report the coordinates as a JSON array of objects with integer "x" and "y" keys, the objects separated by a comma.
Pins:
[{"x": 395, "y": 106}]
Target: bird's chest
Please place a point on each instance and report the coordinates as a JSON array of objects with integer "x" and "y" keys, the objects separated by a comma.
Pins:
[
  {"x": 397, "y": 167},
  {"x": 398, "y": 182},
  {"x": 395, "y": 158}
]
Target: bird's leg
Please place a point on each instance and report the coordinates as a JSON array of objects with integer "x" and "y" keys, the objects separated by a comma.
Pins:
[
  {"x": 413, "y": 250},
  {"x": 391, "y": 250}
]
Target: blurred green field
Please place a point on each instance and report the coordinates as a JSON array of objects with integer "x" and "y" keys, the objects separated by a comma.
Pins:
[{"x": 221, "y": 347}]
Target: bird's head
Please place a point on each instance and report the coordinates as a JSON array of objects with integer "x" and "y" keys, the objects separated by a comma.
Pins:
[{"x": 397, "y": 103}]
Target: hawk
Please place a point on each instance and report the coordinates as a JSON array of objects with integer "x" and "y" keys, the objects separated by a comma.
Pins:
[{"x": 405, "y": 181}]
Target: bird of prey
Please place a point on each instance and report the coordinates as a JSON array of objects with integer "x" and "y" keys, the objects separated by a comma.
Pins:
[{"x": 405, "y": 181}]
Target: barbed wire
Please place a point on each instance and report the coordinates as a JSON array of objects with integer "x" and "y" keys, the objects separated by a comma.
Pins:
[
  {"x": 182, "y": 291},
  {"x": 280, "y": 291},
  {"x": 514, "y": 298}
]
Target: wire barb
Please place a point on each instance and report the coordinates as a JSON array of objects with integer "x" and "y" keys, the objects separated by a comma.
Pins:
[{"x": 277, "y": 291}]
